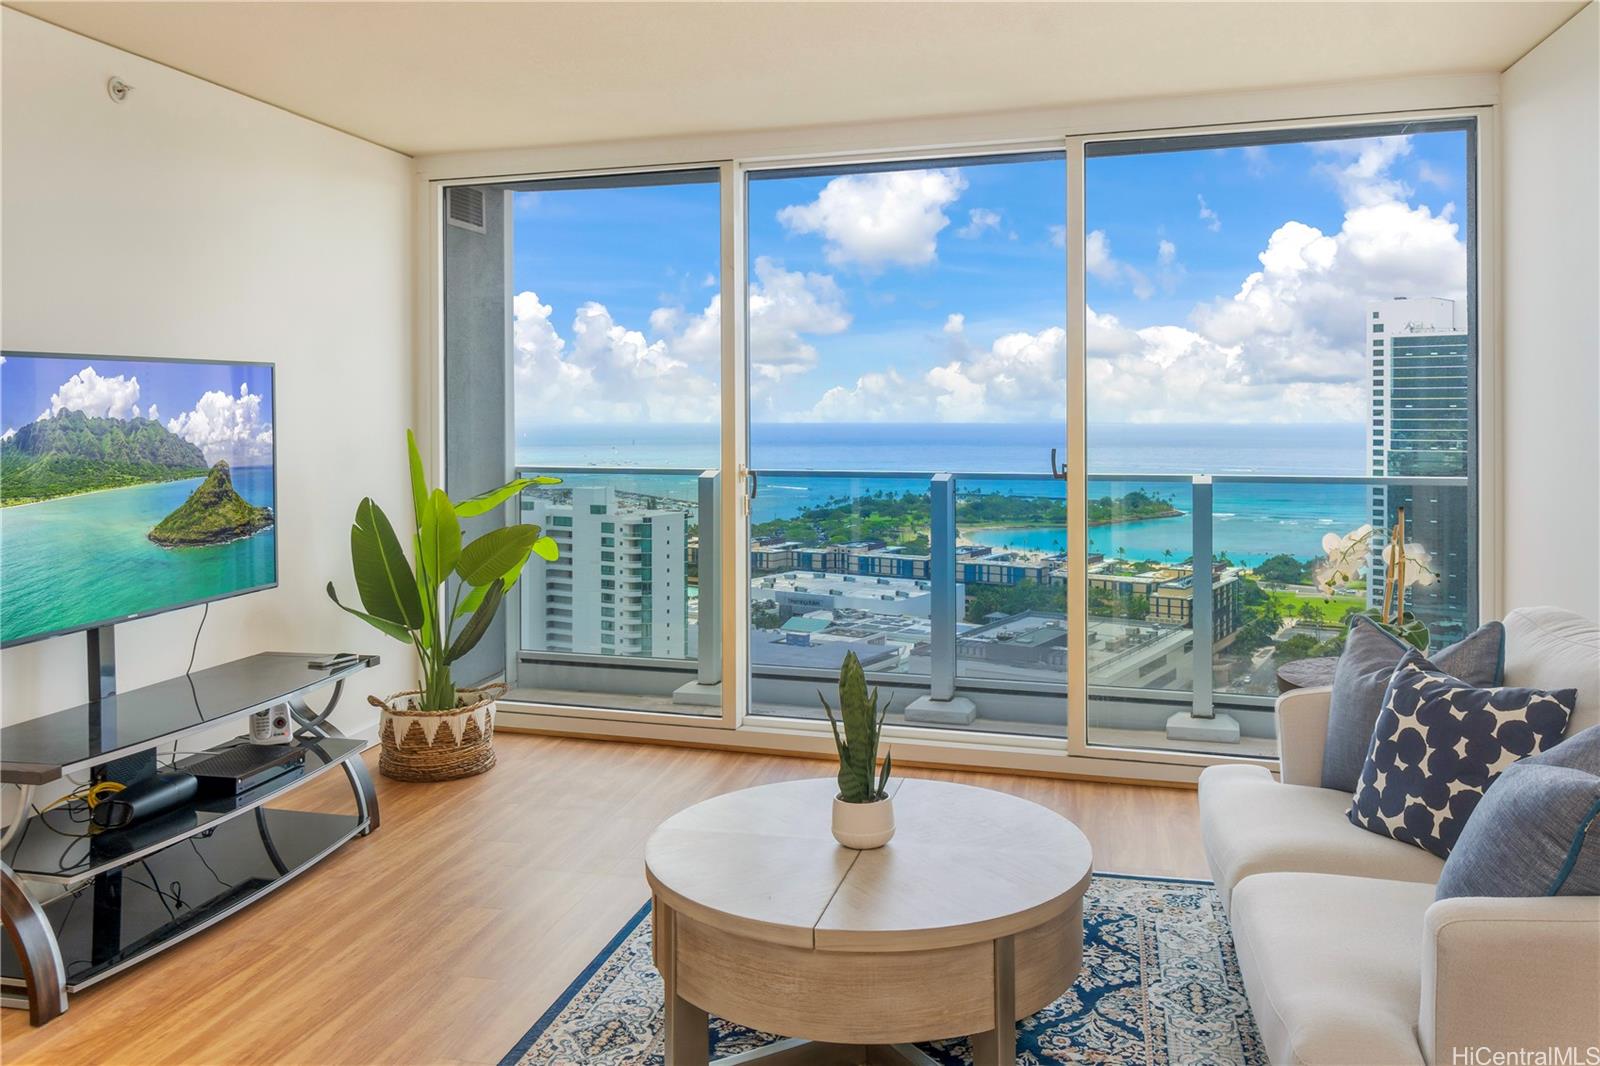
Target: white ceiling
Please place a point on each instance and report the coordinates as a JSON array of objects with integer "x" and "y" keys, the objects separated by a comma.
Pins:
[{"x": 448, "y": 76}]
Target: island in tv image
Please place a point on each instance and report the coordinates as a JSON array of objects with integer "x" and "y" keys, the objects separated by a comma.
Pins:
[{"x": 130, "y": 486}]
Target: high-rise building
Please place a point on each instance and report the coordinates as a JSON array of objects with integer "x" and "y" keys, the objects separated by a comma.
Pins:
[
  {"x": 1419, "y": 425},
  {"x": 617, "y": 586}
]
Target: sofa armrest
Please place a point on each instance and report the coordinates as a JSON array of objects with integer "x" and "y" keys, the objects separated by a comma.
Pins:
[
  {"x": 1302, "y": 732},
  {"x": 1507, "y": 974}
]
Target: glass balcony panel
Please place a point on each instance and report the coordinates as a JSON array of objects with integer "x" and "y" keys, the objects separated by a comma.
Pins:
[{"x": 838, "y": 564}]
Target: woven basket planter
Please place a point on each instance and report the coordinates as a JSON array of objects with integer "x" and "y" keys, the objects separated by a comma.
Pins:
[{"x": 437, "y": 745}]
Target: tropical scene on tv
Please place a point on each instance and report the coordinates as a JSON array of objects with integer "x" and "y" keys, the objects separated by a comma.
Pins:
[{"x": 129, "y": 487}]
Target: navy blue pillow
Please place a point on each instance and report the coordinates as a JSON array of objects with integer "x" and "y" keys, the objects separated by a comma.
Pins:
[{"x": 1440, "y": 743}]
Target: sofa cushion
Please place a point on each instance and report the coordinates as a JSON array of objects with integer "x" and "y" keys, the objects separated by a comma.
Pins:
[
  {"x": 1253, "y": 824},
  {"x": 1439, "y": 743},
  {"x": 1549, "y": 648},
  {"x": 1332, "y": 965},
  {"x": 1362, "y": 677},
  {"x": 1537, "y": 831}
]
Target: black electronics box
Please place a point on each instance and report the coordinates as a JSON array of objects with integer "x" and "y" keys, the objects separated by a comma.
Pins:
[{"x": 239, "y": 767}]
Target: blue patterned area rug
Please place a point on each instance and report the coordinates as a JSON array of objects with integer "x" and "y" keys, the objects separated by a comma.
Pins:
[{"x": 1160, "y": 986}]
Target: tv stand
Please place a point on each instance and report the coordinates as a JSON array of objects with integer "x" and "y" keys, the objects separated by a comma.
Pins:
[{"x": 155, "y": 883}]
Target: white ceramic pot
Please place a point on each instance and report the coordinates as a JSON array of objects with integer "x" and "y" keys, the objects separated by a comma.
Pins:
[{"x": 863, "y": 826}]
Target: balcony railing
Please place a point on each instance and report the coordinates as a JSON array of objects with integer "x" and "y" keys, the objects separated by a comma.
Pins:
[{"x": 1160, "y": 641}]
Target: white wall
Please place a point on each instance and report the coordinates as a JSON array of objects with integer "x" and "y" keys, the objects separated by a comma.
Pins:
[
  {"x": 190, "y": 221},
  {"x": 1550, "y": 119}
]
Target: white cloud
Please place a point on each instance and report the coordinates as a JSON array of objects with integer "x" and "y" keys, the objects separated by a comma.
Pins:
[
  {"x": 1019, "y": 377},
  {"x": 1099, "y": 262},
  {"x": 1208, "y": 216},
  {"x": 877, "y": 220},
  {"x": 1360, "y": 169},
  {"x": 152, "y": 415},
  {"x": 1058, "y": 236},
  {"x": 1166, "y": 253},
  {"x": 609, "y": 373},
  {"x": 227, "y": 427},
  {"x": 978, "y": 220},
  {"x": 1432, "y": 176},
  {"x": 96, "y": 396}
]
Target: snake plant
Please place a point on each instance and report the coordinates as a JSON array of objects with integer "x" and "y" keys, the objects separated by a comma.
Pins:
[{"x": 863, "y": 728}]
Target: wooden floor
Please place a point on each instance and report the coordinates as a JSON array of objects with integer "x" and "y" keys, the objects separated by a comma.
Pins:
[{"x": 444, "y": 936}]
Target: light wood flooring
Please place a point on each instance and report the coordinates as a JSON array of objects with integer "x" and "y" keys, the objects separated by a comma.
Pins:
[{"x": 442, "y": 937}]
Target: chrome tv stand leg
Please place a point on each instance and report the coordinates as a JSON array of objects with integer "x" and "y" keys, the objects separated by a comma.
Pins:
[
  {"x": 316, "y": 724},
  {"x": 31, "y": 936}
]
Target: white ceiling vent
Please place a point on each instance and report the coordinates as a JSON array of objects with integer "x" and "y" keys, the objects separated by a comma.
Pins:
[{"x": 463, "y": 206}]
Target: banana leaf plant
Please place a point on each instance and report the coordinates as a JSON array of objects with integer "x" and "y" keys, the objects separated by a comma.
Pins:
[{"x": 442, "y": 605}]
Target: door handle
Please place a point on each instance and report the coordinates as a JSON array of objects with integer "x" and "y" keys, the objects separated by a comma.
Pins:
[
  {"x": 754, "y": 481},
  {"x": 1059, "y": 473}
]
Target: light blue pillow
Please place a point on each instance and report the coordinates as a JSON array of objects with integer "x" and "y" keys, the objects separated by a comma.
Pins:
[{"x": 1537, "y": 830}]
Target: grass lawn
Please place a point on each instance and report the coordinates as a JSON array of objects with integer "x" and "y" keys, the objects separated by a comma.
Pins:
[{"x": 1332, "y": 610}]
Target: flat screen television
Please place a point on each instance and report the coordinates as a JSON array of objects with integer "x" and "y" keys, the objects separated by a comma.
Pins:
[{"x": 129, "y": 487}]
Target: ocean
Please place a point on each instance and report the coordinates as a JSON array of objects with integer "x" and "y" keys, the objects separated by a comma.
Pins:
[
  {"x": 79, "y": 559},
  {"x": 1251, "y": 521}
]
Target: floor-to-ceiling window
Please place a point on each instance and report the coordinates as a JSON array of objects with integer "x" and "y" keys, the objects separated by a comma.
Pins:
[
  {"x": 1280, "y": 361},
  {"x": 907, "y": 390},
  {"x": 1278, "y": 358},
  {"x": 583, "y": 315}
]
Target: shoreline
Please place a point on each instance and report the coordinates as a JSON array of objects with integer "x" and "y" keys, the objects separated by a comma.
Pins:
[{"x": 91, "y": 492}]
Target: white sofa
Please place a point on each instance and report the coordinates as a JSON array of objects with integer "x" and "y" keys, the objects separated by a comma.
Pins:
[{"x": 1346, "y": 956}]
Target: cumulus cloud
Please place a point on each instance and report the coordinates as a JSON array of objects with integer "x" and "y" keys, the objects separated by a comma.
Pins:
[
  {"x": 96, "y": 396},
  {"x": 979, "y": 219},
  {"x": 1100, "y": 263},
  {"x": 871, "y": 221},
  {"x": 227, "y": 427},
  {"x": 605, "y": 372},
  {"x": 1209, "y": 217},
  {"x": 1018, "y": 377}
]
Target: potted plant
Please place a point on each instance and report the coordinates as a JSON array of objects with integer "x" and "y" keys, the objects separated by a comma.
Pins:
[
  {"x": 441, "y": 606},
  {"x": 1406, "y": 563},
  {"x": 863, "y": 813}
]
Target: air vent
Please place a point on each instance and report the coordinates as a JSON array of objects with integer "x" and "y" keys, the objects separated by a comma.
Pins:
[{"x": 463, "y": 207}]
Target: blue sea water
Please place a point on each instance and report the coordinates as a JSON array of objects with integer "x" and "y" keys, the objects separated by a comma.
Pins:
[
  {"x": 68, "y": 562},
  {"x": 1250, "y": 521}
]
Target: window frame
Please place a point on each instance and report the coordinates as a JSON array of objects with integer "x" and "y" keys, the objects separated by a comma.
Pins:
[{"x": 736, "y": 156}]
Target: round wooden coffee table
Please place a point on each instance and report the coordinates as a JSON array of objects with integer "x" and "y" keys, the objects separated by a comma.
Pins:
[{"x": 969, "y": 919}]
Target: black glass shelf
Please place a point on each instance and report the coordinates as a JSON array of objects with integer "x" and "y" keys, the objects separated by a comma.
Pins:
[
  {"x": 43, "y": 749},
  {"x": 54, "y": 847},
  {"x": 162, "y": 898}
]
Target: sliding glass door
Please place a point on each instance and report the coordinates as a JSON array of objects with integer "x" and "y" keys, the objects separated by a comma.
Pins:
[
  {"x": 590, "y": 307},
  {"x": 1281, "y": 358},
  {"x": 907, "y": 359},
  {"x": 1056, "y": 442}
]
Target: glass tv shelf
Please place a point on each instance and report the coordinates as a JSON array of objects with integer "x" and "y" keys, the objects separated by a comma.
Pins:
[{"x": 45, "y": 749}]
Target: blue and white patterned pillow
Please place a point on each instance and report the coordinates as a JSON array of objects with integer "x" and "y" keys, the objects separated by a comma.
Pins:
[{"x": 1438, "y": 745}]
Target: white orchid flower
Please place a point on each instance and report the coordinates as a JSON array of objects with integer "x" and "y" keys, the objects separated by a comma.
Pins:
[
  {"x": 1419, "y": 562},
  {"x": 1346, "y": 558}
]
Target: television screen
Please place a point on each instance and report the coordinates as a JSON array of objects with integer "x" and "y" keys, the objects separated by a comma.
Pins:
[{"x": 130, "y": 487}]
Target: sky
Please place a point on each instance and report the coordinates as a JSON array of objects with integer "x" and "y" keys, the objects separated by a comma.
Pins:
[
  {"x": 1224, "y": 285},
  {"x": 223, "y": 408}
]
